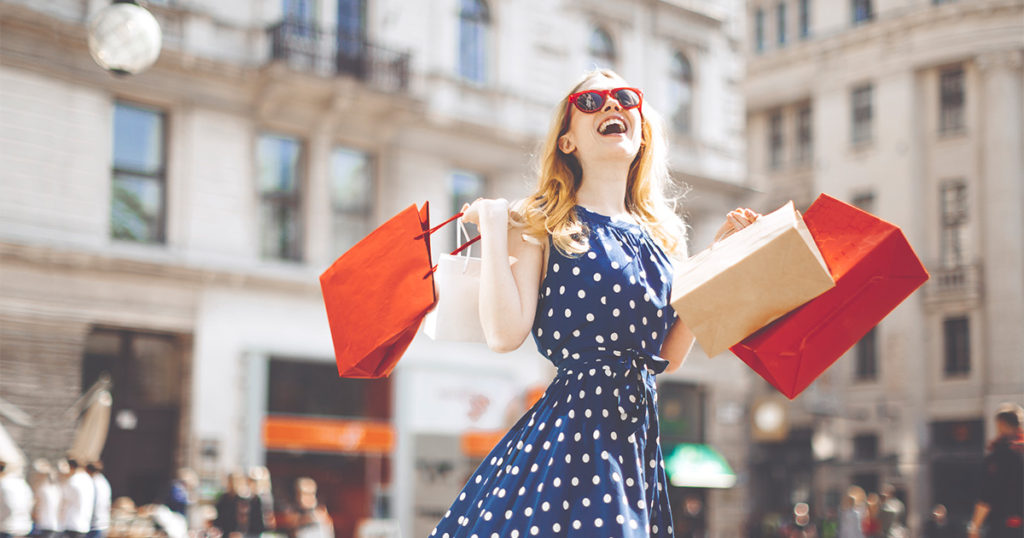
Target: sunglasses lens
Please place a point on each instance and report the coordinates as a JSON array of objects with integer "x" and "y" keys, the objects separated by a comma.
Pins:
[
  {"x": 627, "y": 98},
  {"x": 589, "y": 101}
]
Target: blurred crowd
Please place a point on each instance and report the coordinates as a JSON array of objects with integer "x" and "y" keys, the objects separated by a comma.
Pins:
[{"x": 70, "y": 500}]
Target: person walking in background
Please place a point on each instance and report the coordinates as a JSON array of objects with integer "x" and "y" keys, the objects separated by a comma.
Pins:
[
  {"x": 239, "y": 513},
  {"x": 15, "y": 503},
  {"x": 101, "y": 505},
  {"x": 938, "y": 524},
  {"x": 851, "y": 513},
  {"x": 1001, "y": 503},
  {"x": 891, "y": 511},
  {"x": 181, "y": 496},
  {"x": 47, "y": 490},
  {"x": 871, "y": 524},
  {"x": 259, "y": 484},
  {"x": 78, "y": 499},
  {"x": 306, "y": 518}
]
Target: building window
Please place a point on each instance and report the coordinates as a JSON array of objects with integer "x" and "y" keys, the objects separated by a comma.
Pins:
[
  {"x": 301, "y": 14},
  {"x": 601, "y": 50},
  {"x": 862, "y": 11},
  {"x": 805, "y": 135},
  {"x": 681, "y": 93},
  {"x": 759, "y": 30},
  {"x": 139, "y": 182},
  {"x": 865, "y": 447},
  {"x": 780, "y": 24},
  {"x": 862, "y": 114},
  {"x": 937, "y": 2},
  {"x": 954, "y": 223},
  {"x": 957, "y": 340},
  {"x": 352, "y": 33},
  {"x": 466, "y": 187},
  {"x": 867, "y": 357},
  {"x": 864, "y": 201},
  {"x": 280, "y": 197},
  {"x": 775, "y": 140},
  {"x": 951, "y": 100},
  {"x": 805, "y": 19},
  {"x": 474, "y": 21},
  {"x": 351, "y": 197}
]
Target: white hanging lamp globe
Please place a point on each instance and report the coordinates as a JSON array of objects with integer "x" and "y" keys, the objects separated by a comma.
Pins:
[{"x": 124, "y": 38}]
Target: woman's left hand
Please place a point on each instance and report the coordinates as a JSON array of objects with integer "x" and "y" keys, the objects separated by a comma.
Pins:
[{"x": 736, "y": 220}]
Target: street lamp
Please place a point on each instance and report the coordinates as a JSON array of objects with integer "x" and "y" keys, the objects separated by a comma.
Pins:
[{"x": 124, "y": 38}]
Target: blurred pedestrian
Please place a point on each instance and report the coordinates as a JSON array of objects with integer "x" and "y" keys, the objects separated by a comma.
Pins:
[
  {"x": 15, "y": 503},
  {"x": 259, "y": 483},
  {"x": 306, "y": 517},
  {"x": 1001, "y": 503},
  {"x": 891, "y": 511},
  {"x": 181, "y": 494},
  {"x": 77, "y": 502},
  {"x": 47, "y": 490},
  {"x": 239, "y": 513},
  {"x": 938, "y": 524},
  {"x": 871, "y": 525},
  {"x": 851, "y": 513},
  {"x": 100, "y": 524}
]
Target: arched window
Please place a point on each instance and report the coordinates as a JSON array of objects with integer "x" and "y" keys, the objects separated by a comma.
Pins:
[
  {"x": 601, "y": 50},
  {"x": 681, "y": 93},
  {"x": 474, "y": 20}
]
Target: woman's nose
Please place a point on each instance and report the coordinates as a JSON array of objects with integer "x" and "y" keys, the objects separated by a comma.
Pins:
[{"x": 611, "y": 104}]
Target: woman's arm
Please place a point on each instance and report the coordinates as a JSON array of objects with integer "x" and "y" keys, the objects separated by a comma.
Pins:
[
  {"x": 679, "y": 340},
  {"x": 677, "y": 345},
  {"x": 508, "y": 291}
]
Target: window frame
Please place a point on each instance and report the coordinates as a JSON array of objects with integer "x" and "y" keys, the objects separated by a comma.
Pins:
[
  {"x": 952, "y": 105},
  {"x": 805, "y": 134},
  {"x": 159, "y": 176},
  {"x": 780, "y": 24},
  {"x": 609, "y": 54},
  {"x": 776, "y": 140},
  {"x": 953, "y": 222},
  {"x": 866, "y": 357},
  {"x": 365, "y": 212},
  {"x": 759, "y": 34},
  {"x": 295, "y": 200},
  {"x": 953, "y": 365},
  {"x": 472, "y": 66},
  {"x": 862, "y": 12},
  {"x": 682, "y": 116},
  {"x": 805, "y": 19},
  {"x": 862, "y": 114}
]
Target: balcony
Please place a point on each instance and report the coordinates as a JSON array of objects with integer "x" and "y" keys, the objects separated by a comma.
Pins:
[
  {"x": 304, "y": 47},
  {"x": 958, "y": 283}
]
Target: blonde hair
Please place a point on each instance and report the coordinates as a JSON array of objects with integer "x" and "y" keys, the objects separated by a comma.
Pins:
[{"x": 550, "y": 209}]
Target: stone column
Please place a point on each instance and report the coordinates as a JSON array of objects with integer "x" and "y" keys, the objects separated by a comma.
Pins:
[{"x": 1001, "y": 223}]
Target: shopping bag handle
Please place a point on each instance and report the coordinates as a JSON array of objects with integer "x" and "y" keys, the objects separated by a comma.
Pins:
[{"x": 464, "y": 246}]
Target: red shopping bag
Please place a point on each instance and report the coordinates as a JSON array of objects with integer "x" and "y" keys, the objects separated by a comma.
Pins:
[
  {"x": 875, "y": 270},
  {"x": 377, "y": 293}
]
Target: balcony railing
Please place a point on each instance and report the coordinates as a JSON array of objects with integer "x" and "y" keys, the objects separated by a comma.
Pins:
[
  {"x": 954, "y": 283},
  {"x": 330, "y": 53}
]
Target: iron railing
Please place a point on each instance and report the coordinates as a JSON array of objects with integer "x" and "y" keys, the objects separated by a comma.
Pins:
[{"x": 331, "y": 53}]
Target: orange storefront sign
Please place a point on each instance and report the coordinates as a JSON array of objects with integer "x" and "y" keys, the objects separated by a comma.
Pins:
[
  {"x": 479, "y": 444},
  {"x": 328, "y": 435}
]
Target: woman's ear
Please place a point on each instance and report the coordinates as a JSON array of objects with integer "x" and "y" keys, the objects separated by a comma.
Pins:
[{"x": 565, "y": 144}]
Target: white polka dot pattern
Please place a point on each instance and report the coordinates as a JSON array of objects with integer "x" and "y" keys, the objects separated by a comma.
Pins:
[{"x": 585, "y": 459}]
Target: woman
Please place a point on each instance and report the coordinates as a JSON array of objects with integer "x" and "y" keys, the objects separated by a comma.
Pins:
[{"x": 593, "y": 249}]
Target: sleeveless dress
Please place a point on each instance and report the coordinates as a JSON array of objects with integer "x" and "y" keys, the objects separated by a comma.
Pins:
[{"x": 585, "y": 460}]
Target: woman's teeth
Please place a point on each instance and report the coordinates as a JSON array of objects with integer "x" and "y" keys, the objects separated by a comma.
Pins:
[{"x": 612, "y": 126}]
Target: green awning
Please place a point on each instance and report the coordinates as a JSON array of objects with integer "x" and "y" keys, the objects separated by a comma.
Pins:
[{"x": 692, "y": 465}]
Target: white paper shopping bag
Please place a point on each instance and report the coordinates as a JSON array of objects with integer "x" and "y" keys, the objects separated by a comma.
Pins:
[{"x": 456, "y": 318}]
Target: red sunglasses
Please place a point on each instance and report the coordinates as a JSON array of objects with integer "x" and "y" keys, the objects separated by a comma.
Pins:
[{"x": 590, "y": 101}]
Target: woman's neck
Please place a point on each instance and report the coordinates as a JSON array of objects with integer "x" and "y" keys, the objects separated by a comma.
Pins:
[{"x": 603, "y": 188}]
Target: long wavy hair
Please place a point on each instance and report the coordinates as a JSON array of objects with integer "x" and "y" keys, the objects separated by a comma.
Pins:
[{"x": 550, "y": 208}]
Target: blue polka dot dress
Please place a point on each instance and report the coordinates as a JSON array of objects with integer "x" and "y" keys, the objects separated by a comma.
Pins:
[{"x": 585, "y": 460}]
